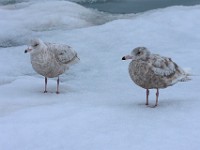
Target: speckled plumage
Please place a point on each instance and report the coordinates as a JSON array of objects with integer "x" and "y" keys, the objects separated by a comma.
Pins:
[
  {"x": 50, "y": 59},
  {"x": 151, "y": 71}
]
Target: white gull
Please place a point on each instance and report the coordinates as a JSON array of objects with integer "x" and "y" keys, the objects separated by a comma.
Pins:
[{"x": 50, "y": 59}]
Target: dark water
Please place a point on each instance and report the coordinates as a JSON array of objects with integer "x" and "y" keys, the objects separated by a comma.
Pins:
[
  {"x": 135, "y": 6},
  {"x": 122, "y": 6}
]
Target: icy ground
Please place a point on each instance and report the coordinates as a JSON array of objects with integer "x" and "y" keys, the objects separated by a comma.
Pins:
[{"x": 99, "y": 108}]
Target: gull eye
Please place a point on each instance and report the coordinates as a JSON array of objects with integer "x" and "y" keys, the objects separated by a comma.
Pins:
[
  {"x": 35, "y": 44},
  {"x": 138, "y": 53}
]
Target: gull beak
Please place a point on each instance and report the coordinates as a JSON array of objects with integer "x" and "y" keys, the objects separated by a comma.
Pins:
[
  {"x": 124, "y": 58},
  {"x": 127, "y": 57},
  {"x": 27, "y": 50}
]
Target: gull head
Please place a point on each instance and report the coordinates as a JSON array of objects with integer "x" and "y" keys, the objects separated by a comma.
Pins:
[
  {"x": 138, "y": 53},
  {"x": 36, "y": 45}
]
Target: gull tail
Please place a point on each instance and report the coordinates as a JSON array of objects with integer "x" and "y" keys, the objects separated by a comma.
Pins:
[
  {"x": 188, "y": 77},
  {"x": 185, "y": 79}
]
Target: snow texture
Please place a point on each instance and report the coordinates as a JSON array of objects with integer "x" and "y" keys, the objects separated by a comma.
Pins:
[{"x": 98, "y": 108}]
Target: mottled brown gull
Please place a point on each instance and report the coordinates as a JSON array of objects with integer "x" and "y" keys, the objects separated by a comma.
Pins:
[
  {"x": 51, "y": 60},
  {"x": 152, "y": 71}
]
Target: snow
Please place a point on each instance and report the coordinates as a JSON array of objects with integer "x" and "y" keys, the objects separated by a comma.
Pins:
[
  {"x": 98, "y": 107},
  {"x": 25, "y": 21}
]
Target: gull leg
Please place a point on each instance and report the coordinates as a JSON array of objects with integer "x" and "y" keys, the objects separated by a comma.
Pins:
[
  {"x": 45, "y": 88},
  {"x": 147, "y": 96},
  {"x": 57, "y": 92},
  {"x": 157, "y": 94}
]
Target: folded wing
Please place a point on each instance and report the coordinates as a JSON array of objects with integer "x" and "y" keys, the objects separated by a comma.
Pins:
[
  {"x": 63, "y": 53},
  {"x": 166, "y": 68}
]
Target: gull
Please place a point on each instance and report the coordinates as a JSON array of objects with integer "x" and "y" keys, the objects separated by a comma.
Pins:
[
  {"x": 50, "y": 59},
  {"x": 152, "y": 71}
]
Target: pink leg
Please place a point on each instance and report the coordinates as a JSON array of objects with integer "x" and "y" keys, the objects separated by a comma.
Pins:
[
  {"x": 45, "y": 89},
  {"x": 57, "y": 92},
  {"x": 157, "y": 94},
  {"x": 147, "y": 96}
]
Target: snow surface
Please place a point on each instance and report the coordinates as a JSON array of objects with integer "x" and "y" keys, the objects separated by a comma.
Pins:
[
  {"x": 21, "y": 21},
  {"x": 99, "y": 108}
]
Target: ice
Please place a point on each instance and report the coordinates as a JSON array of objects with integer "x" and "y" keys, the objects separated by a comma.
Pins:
[
  {"x": 18, "y": 28},
  {"x": 98, "y": 106}
]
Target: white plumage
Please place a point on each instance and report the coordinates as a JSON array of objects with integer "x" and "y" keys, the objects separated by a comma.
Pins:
[{"x": 50, "y": 59}]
